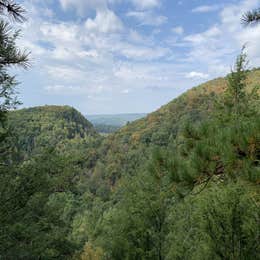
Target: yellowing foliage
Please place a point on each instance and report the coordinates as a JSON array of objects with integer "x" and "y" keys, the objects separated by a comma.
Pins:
[{"x": 91, "y": 253}]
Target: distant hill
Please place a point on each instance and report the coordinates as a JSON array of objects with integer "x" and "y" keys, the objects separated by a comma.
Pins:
[
  {"x": 47, "y": 126},
  {"x": 111, "y": 123}
]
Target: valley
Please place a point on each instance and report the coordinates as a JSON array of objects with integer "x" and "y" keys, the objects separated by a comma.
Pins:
[
  {"x": 179, "y": 183},
  {"x": 148, "y": 170}
]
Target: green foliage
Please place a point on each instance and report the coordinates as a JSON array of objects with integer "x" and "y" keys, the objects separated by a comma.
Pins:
[
  {"x": 198, "y": 197},
  {"x": 135, "y": 227},
  {"x": 35, "y": 212},
  {"x": 13, "y": 10},
  {"x": 41, "y": 187},
  {"x": 91, "y": 253},
  {"x": 219, "y": 223},
  {"x": 106, "y": 129},
  {"x": 125, "y": 151},
  {"x": 10, "y": 55},
  {"x": 179, "y": 184},
  {"x": 50, "y": 126},
  {"x": 227, "y": 145}
]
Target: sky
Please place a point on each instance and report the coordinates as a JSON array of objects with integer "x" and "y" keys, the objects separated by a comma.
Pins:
[{"x": 129, "y": 56}]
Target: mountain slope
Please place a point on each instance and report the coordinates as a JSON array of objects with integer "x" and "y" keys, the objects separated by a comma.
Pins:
[
  {"x": 182, "y": 188},
  {"x": 193, "y": 105},
  {"x": 131, "y": 144}
]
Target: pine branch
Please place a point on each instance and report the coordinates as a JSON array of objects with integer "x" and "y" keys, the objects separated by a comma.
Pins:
[
  {"x": 16, "y": 59},
  {"x": 9, "y": 54},
  {"x": 16, "y": 11},
  {"x": 251, "y": 17}
]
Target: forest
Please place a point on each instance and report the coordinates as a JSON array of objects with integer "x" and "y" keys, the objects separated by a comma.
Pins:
[{"x": 180, "y": 183}]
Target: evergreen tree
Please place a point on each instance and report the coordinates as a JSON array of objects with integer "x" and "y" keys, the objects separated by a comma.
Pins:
[
  {"x": 10, "y": 54},
  {"x": 218, "y": 147},
  {"x": 37, "y": 205},
  {"x": 217, "y": 159},
  {"x": 219, "y": 223}
]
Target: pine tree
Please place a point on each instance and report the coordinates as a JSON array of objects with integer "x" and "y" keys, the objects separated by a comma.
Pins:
[
  {"x": 221, "y": 168},
  {"x": 10, "y": 54}
]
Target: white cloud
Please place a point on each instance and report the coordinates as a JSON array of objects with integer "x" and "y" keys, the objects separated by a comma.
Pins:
[
  {"x": 215, "y": 48},
  {"x": 63, "y": 90},
  {"x": 206, "y": 36},
  {"x": 136, "y": 37},
  {"x": 145, "y": 4},
  {"x": 125, "y": 91},
  {"x": 206, "y": 8},
  {"x": 243, "y": 35},
  {"x": 100, "y": 57},
  {"x": 65, "y": 32},
  {"x": 178, "y": 30},
  {"x": 148, "y": 18},
  {"x": 143, "y": 53},
  {"x": 73, "y": 90},
  {"x": 196, "y": 75},
  {"x": 66, "y": 54},
  {"x": 65, "y": 73},
  {"x": 35, "y": 50},
  {"x": 105, "y": 21},
  {"x": 146, "y": 74},
  {"x": 231, "y": 14},
  {"x": 252, "y": 45},
  {"x": 82, "y": 6}
]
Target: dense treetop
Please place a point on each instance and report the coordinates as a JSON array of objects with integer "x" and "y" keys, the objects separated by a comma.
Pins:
[{"x": 49, "y": 126}]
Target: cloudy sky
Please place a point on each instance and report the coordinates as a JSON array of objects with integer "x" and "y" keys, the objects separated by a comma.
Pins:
[{"x": 120, "y": 56}]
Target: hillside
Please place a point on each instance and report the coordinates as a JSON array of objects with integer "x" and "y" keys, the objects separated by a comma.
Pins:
[
  {"x": 47, "y": 126},
  {"x": 130, "y": 145},
  {"x": 123, "y": 151},
  {"x": 185, "y": 179},
  {"x": 193, "y": 105}
]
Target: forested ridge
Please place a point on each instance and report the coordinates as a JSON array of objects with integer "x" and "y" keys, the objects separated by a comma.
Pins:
[
  {"x": 181, "y": 183},
  {"x": 46, "y": 126}
]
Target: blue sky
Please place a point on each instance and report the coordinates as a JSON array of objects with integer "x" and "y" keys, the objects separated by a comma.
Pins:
[{"x": 121, "y": 56}]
